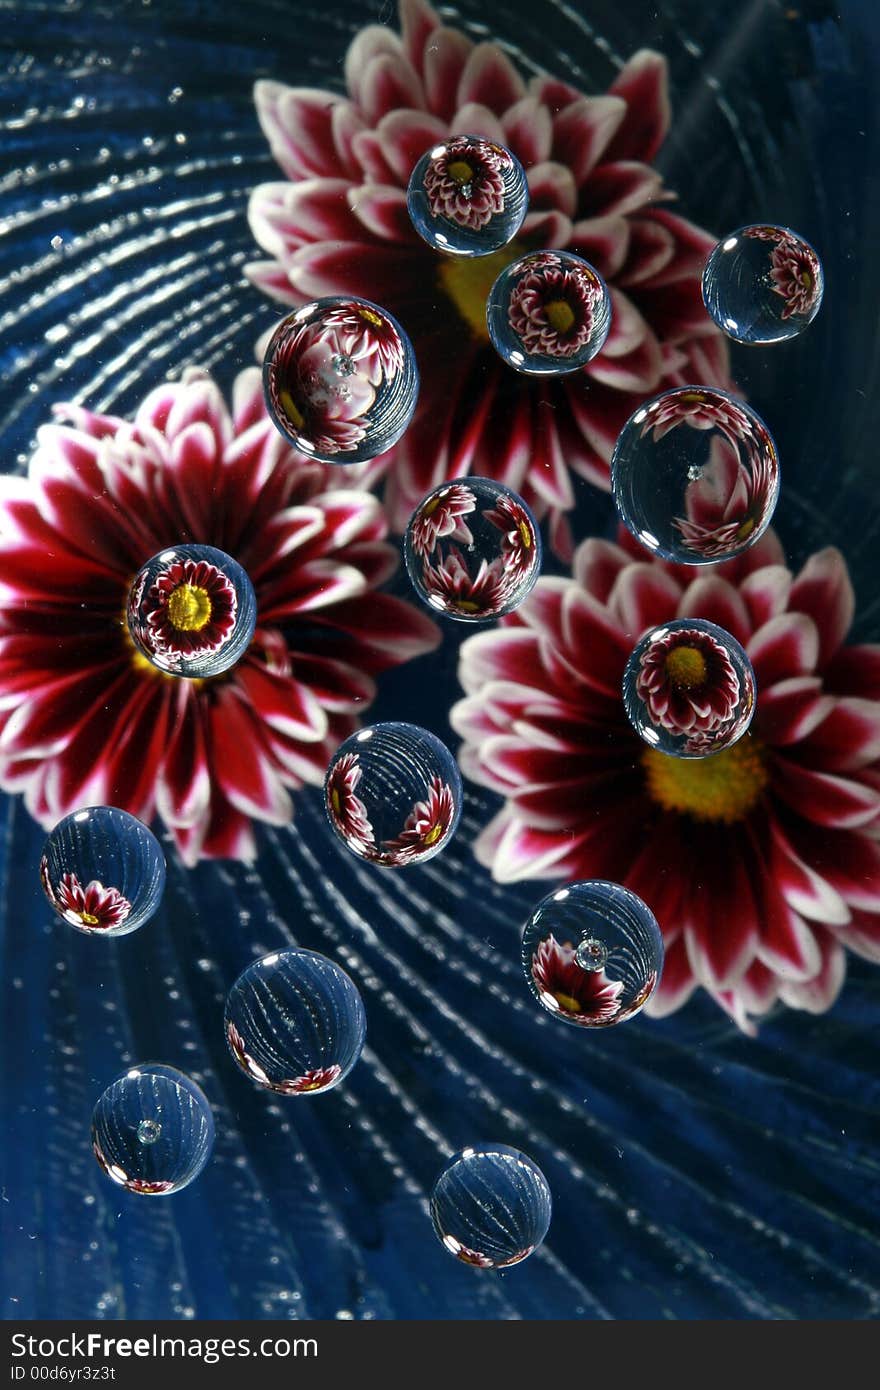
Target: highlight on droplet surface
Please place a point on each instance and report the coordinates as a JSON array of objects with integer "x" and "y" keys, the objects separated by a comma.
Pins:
[
  {"x": 393, "y": 794},
  {"x": 340, "y": 380},
  {"x": 103, "y": 871},
  {"x": 689, "y": 688},
  {"x": 491, "y": 1206},
  {"x": 763, "y": 284},
  {"x": 468, "y": 196},
  {"x": 592, "y": 953},
  {"x": 473, "y": 549},
  {"x": 152, "y": 1130},
  {"x": 695, "y": 475},
  {"x": 192, "y": 611},
  {"x": 295, "y": 1022},
  {"x": 548, "y": 313}
]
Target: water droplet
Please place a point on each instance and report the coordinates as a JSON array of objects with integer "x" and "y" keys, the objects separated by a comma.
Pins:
[
  {"x": 592, "y": 953},
  {"x": 340, "y": 380},
  {"x": 468, "y": 196},
  {"x": 689, "y": 688},
  {"x": 152, "y": 1130},
  {"x": 763, "y": 284},
  {"x": 192, "y": 611},
  {"x": 695, "y": 475},
  {"x": 103, "y": 871},
  {"x": 295, "y": 1022},
  {"x": 548, "y": 313},
  {"x": 472, "y": 549},
  {"x": 491, "y": 1206},
  {"x": 393, "y": 794}
]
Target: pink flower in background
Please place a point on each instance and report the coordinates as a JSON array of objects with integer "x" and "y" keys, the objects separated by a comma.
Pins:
[
  {"x": 466, "y": 183},
  {"x": 585, "y": 996},
  {"x": 84, "y": 719},
  {"x": 91, "y": 907},
  {"x": 338, "y": 224},
  {"x": 439, "y": 517},
  {"x": 688, "y": 682},
  {"x": 762, "y": 862}
]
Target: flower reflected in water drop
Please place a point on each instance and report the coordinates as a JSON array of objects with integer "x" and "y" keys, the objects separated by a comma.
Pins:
[
  {"x": 347, "y": 811},
  {"x": 426, "y": 826},
  {"x": 452, "y": 588},
  {"x": 519, "y": 547},
  {"x": 688, "y": 682},
  {"x": 584, "y": 996},
  {"x": 465, "y": 182},
  {"x": 93, "y": 907},
  {"x": 190, "y": 609},
  {"x": 439, "y": 517},
  {"x": 552, "y": 307}
]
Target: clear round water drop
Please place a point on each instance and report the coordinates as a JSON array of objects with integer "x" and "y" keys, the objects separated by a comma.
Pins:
[
  {"x": 340, "y": 380},
  {"x": 152, "y": 1130},
  {"x": 468, "y": 196},
  {"x": 295, "y": 1022},
  {"x": 192, "y": 611},
  {"x": 689, "y": 689},
  {"x": 473, "y": 549},
  {"x": 548, "y": 313},
  {"x": 393, "y": 794},
  {"x": 763, "y": 284},
  {"x": 695, "y": 475},
  {"x": 592, "y": 953},
  {"x": 491, "y": 1206},
  {"x": 103, "y": 871}
]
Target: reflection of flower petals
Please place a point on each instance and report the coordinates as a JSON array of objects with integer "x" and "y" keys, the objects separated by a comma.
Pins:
[
  {"x": 552, "y": 308},
  {"x": 347, "y": 811},
  {"x": 160, "y": 609},
  {"x": 699, "y": 706},
  {"x": 584, "y": 996},
  {"x": 452, "y": 589},
  {"x": 520, "y": 543},
  {"x": 426, "y": 825},
  {"x": 440, "y": 517},
  {"x": 783, "y": 825},
  {"x": 318, "y": 1079},
  {"x": 93, "y": 907},
  {"x": 464, "y": 182}
]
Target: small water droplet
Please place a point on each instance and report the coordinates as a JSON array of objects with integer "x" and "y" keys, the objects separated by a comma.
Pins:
[
  {"x": 295, "y": 1023},
  {"x": 152, "y": 1130},
  {"x": 473, "y": 549},
  {"x": 491, "y": 1206},
  {"x": 393, "y": 794},
  {"x": 763, "y": 284},
  {"x": 468, "y": 196},
  {"x": 103, "y": 871},
  {"x": 548, "y": 313}
]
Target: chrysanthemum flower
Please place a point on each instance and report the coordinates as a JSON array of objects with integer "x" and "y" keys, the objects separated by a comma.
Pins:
[
  {"x": 585, "y": 996},
  {"x": 795, "y": 275},
  {"x": 520, "y": 543},
  {"x": 761, "y": 863},
  {"x": 86, "y": 720},
  {"x": 439, "y": 517},
  {"x": 451, "y": 588},
  {"x": 190, "y": 609},
  {"x": 91, "y": 907},
  {"x": 427, "y": 825},
  {"x": 318, "y": 1079},
  {"x": 347, "y": 811},
  {"x": 688, "y": 682},
  {"x": 339, "y": 225},
  {"x": 465, "y": 182},
  {"x": 553, "y": 307}
]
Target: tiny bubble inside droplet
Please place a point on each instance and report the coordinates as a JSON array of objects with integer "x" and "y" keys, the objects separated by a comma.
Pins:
[{"x": 591, "y": 954}]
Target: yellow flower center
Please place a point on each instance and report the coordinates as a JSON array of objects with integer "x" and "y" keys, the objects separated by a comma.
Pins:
[
  {"x": 467, "y": 605},
  {"x": 745, "y": 529},
  {"x": 686, "y": 667},
  {"x": 723, "y": 787},
  {"x": 311, "y": 1086},
  {"x": 526, "y": 535},
  {"x": 560, "y": 315},
  {"x": 88, "y": 919},
  {"x": 460, "y": 170},
  {"x": 189, "y": 608},
  {"x": 432, "y": 504},
  {"x": 806, "y": 280},
  {"x": 294, "y": 415},
  {"x": 433, "y": 835},
  {"x": 334, "y": 800},
  {"x": 467, "y": 281},
  {"x": 693, "y": 396},
  {"x": 567, "y": 1003},
  {"x": 369, "y": 316}
]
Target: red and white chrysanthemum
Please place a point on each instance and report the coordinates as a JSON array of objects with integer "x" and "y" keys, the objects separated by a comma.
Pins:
[
  {"x": 318, "y": 1079},
  {"x": 368, "y": 339},
  {"x": 439, "y": 517},
  {"x": 347, "y": 812},
  {"x": 701, "y": 410},
  {"x": 91, "y": 907},
  {"x": 762, "y": 862},
  {"x": 426, "y": 827},
  {"x": 464, "y": 182},
  {"x": 519, "y": 547},
  {"x": 730, "y": 500},
  {"x": 794, "y": 270},
  {"x": 86, "y": 720},
  {"x": 552, "y": 308},
  {"x": 688, "y": 682},
  {"x": 339, "y": 225},
  {"x": 452, "y": 588},
  {"x": 586, "y": 997},
  {"x": 190, "y": 609}
]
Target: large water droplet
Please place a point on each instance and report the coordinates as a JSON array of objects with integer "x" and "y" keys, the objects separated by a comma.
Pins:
[
  {"x": 548, "y": 313},
  {"x": 468, "y": 196},
  {"x": 103, "y": 871},
  {"x": 592, "y": 953},
  {"x": 340, "y": 380},
  {"x": 393, "y": 794},
  {"x": 491, "y": 1206},
  {"x": 472, "y": 549},
  {"x": 763, "y": 284},
  {"x": 695, "y": 475},
  {"x": 295, "y": 1022},
  {"x": 689, "y": 688},
  {"x": 152, "y": 1130},
  {"x": 192, "y": 611}
]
